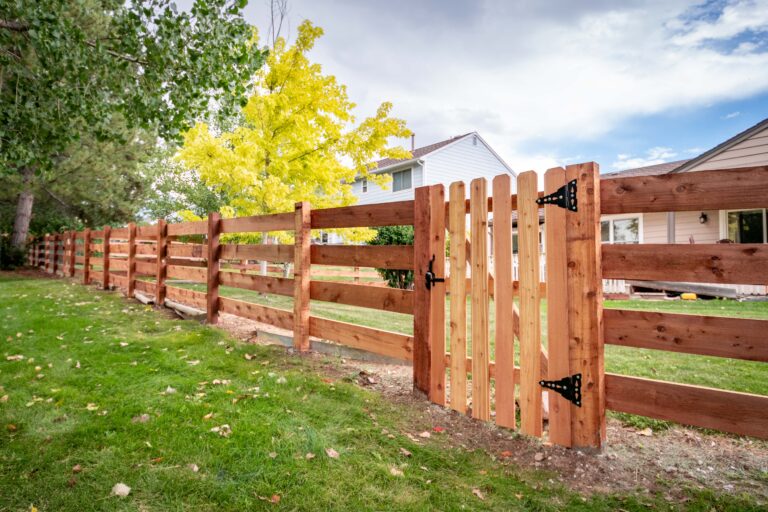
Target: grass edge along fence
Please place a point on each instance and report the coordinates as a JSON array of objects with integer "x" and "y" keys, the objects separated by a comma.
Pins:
[{"x": 576, "y": 262}]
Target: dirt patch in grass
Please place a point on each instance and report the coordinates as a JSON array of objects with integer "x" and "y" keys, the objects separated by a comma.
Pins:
[{"x": 639, "y": 460}]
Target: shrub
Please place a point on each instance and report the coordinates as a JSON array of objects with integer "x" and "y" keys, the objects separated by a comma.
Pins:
[{"x": 395, "y": 235}]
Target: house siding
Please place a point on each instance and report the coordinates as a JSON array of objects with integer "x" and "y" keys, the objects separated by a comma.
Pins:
[
  {"x": 465, "y": 160},
  {"x": 377, "y": 194},
  {"x": 749, "y": 152},
  {"x": 655, "y": 228},
  {"x": 687, "y": 227}
]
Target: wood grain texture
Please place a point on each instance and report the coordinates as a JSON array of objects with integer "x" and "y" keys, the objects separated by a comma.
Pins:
[
  {"x": 263, "y": 252},
  {"x": 701, "y": 190},
  {"x": 457, "y": 229},
  {"x": 145, "y": 268},
  {"x": 258, "y": 223},
  {"x": 197, "y": 274},
  {"x": 72, "y": 252},
  {"x": 178, "y": 250},
  {"x": 212, "y": 270},
  {"x": 188, "y": 228},
  {"x": 699, "y": 263},
  {"x": 504, "y": 302},
  {"x": 131, "y": 286},
  {"x": 105, "y": 251},
  {"x": 530, "y": 310},
  {"x": 185, "y": 296},
  {"x": 585, "y": 303},
  {"x": 120, "y": 233},
  {"x": 437, "y": 377},
  {"x": 301, "y": 276},
  {"x": 378, "y": 256},
  {"x": 146, "y": 287},
  {"x": 265, "y": 284},
  {"x": 739, "y": 413},
  {"x": 146, "y": 232},
  {"x": 737, "y": 338},
  {"x": 87, "y": 256},
  {"x": 398, "y": 213},
  {"x": 160, "y": 262},
  {"x": 373, "y": 297},
  {"x": 392, "y": 344},
  {"x": 481, "y": 378},
  {"x": 557, "y": 310},
  {"x": 267, "y": 315}
]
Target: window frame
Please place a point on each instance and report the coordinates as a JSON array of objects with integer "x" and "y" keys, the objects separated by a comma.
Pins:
[
  {"x": 364, "y": 186},
  {"x": 410, "y": 180},
  {"x": 621, "y": 216},
  {"x": 724, "y": 222}
]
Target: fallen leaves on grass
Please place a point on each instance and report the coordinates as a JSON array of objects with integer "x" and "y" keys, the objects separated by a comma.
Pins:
[
  {"x": 11, "y": 427},
  {"x": 647, "y": 432},
  {"x": 3, "y": 398},
  {"x": 121, "y": 490},
  {"x": 169, "y": 391},
  {"x": 405, "y": 452},
  {"x": 223, "y": 430},
  {"x": 194, "y": 362},
  {"x": 140, "y": 419},
  {"x": 425, "y": 435},
  {"x": 208, "y": 416},
  {"x": 249, "y": 357},
  {"x": 438, "y": 429},
  {"x": 309, "y": 456},
  {"x": 92, "y": 407},
  {"x": 77, "y": 468},
  {"x": 332, "y": 453},
  {"x": 220, "y": 382},
  {"x": 193, "y": 468},
  {"x": 17, "y": 357},
  {"x": 506, "y": 454},
  {"x": 395, "y": 471},
  {"x": 477, "y": 492},
  {"x": 281, "y": 380}
]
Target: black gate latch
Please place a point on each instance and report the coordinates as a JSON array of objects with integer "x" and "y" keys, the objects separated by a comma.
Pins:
[
  {"x": 569, "y": 387},
  {"x": 430, "y": 276},
  {"x": 564, "y": 197}
]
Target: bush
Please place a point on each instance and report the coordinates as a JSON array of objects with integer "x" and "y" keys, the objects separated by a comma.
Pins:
[
  {"x": 395, "y": 235},
  {"x": 10, "y": 257}
]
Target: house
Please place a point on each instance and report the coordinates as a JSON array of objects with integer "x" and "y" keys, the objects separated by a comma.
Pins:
[{"x": 746, "y": 149}]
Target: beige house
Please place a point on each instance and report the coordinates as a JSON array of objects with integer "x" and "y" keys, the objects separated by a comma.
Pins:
[{"x": 748, "y": 148}]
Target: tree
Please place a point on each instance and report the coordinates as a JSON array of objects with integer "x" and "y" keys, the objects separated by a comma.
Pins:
[
  {"x": 68, "y": 67},
  {"x": 395, "y": 235},
  {"x": 297, "y": 140}
]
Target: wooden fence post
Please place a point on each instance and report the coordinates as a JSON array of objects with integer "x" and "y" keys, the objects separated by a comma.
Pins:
[
  {"x": 557, "y": 308},
  {"x": 161, "y": 265},
  {"x": 301, "y": 276},
  {"x": 105, "y": 256},
  {"x": 429, "y": 303},
  {"x": 585, "y": 306},
  {"x": 87, "y": 256},
  {"x": 212, "y": 295},
  {"x": 55, "y": 259},
  {"x": 131, "y": 270},
  {"x": 72, "y": 252}
]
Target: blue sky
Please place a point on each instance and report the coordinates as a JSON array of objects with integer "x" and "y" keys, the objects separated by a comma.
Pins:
[{"x": 624, "y": 83}]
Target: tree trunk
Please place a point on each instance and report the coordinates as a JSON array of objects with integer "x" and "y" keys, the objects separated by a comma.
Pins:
[{"x": 23, "y": 209}]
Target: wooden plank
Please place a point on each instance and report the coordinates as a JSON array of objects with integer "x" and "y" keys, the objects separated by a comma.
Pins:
[
  {"x": 131, "y": 259},
  {"x": 386, "y": 343},
  {"x": 437, "y": 377},
  {"x": 161, "y": 266},
  {"x": 737, "y": 338},
  {"x": 188, "y": 228},
  {"x": 557, "y": 310},
  {"x": 699, "y": 263},
  {"x": 146, "y": 287},
  {"x": 119, "y": 265},
  {"x": 457, "y": 229},
  {"x": 184, "y": 296},
  {"x": 275, "y": 253},
  {"x": 72, "y": 252},
  {"x": 530, "y": 314},
  {"x": 105, "y": 269},
  {"x": 301, "y": 277},
  {"x": 119, "y": 281},
  {"x": 177, "y": 250},
  {"x": 118, "y": 248},
  {"x": 504, "y": 302},
  {"x": 399, "y": 213},
  {"x": 264, "y": 314},
  {"x": 373, "y": 297},
  {"x": 213, "y": 268},
  {"x": 739, "y": 413},
  {"x": 423, "y": 248},
  {"x": 701, "y": 190},
  {"x": 481, "y": 379},
  {"x": 120, "y": 234},
  {"x": 146, "y": 232},
  {"x": 145, "y": 249},
  {"x": 196, "y": 274},
  {"x": 585, "y": 304},
  {"x": 146, "y": 268},
  {"x": 265, "y": 284},
  {"x": 55, "y": 255},
  {"x": 399, "y": 257},
  {"x": 258, "y": 223},
  {"x": 188, "y": 262},
  {"x": 87, "y": 256}
]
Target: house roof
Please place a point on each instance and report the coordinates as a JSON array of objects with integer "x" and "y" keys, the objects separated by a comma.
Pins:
[
  {"x": 648, "y": 170},
  {"x": 419, "y": 152},
  {"x": 723, "y": 146}
]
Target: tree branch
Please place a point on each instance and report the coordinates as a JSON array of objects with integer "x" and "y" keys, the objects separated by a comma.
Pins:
[{"x": 119, "y": 55}]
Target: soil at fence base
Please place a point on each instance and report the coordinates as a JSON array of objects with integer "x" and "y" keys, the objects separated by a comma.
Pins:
[{"x": 663, "y": 462}]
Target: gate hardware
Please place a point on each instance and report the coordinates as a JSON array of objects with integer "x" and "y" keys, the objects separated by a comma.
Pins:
[
  {"x": 564, "y": 197},
  {"x": 430, "y": 275},
  {"x": 569, "y": 387}
]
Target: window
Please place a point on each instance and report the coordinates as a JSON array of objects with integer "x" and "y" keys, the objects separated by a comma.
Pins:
[
  {"x": 746, "y": 226},
  {"x": 324, "y": 237},
  {"x": 365, "y": 185},
  {"x": 401, "y": 180},
  {"x": 620, "y": 230}
]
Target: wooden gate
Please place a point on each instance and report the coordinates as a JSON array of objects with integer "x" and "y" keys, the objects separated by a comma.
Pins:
[{"x": 478, "y": 353}]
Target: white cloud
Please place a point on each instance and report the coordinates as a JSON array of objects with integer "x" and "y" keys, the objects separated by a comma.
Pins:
[
  {"x": 732, "y": 115},
  {"x": 736, "y": 18},
  {"x": 653, "y": 156}
]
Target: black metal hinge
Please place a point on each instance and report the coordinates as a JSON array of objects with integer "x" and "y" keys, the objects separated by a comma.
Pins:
[
  {"x": 569, "y": 387},
  {"x": 430, "y": 275},
  {"x": 564, "y": 197}
]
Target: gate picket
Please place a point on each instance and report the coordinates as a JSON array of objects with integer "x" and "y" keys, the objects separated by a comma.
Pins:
[
  {"x": 481, "y": 380},
  {"x": 457, "y": 228}
]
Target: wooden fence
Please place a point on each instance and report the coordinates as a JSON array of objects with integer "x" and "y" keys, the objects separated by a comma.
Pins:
[{"x": 474, "y": 368}]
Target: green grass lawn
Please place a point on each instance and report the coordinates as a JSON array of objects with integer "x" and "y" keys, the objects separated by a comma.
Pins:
[{"x": 127, "y": 395}]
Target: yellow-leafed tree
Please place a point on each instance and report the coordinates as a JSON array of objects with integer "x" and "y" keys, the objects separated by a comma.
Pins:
[{"x": 298, "y": 140}]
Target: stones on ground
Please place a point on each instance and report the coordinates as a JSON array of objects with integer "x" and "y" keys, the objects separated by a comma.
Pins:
[
  {"x": 539, "y": 457},
  {"x": 121, "y": 490},
  {"x": 647, "y": 432}
]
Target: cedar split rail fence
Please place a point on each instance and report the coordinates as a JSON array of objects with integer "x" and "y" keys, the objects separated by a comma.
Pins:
[{"x": 571, "y": 368}]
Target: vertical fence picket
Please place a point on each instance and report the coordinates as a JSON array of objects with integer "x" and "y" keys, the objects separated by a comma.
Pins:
[
  {"x": 557, "y": 309},
  {"x": 105, "y": 256},
  {"x": 530, "y": 320},
  {"x": 481, "y": 381},
  {"x": 55, "y": 258},
  {"x": 72, "y": 252},
  {"x": 131, "y": 270},
  {"x": 212, "y": 293},
  {"x": 161, "y": 269},
  {"x": 87, "y": 256},
  {"x": 301, "y": 275},
  {"x": 584, "y": 286},
  {"x": 457, "y": 229},
  {"x": 504, "y": 301},
  {"x": 437, "y": 352}
]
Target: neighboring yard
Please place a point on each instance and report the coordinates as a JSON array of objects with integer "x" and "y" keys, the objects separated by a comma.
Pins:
[{"x": 111, "y": 391}]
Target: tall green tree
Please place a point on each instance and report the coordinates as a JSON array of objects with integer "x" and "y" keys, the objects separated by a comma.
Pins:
[{"x": 68, "y": 67}]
